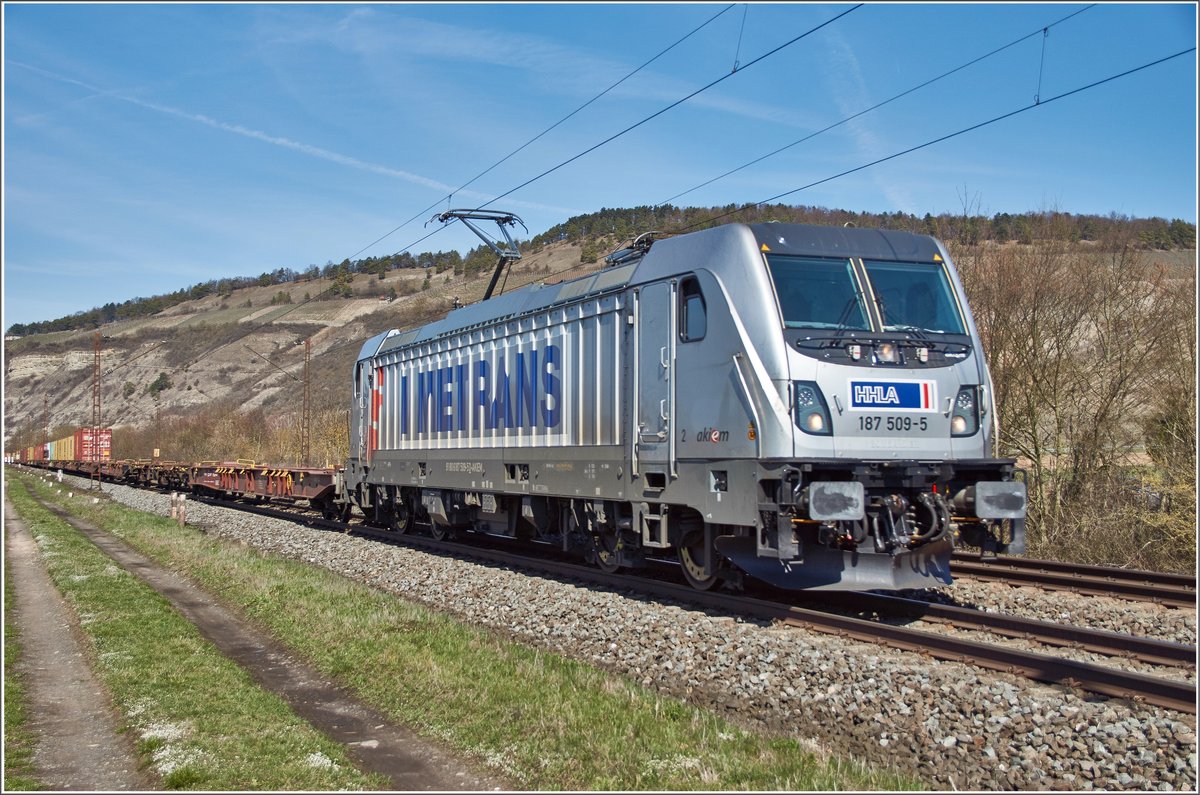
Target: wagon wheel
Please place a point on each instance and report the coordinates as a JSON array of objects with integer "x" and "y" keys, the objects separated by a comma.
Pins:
[
  {"x": 335, "y": 511},
  {"x": 402, "y": 518},
  {"x": 606, "y": 548},
  {"x": 698, "y": 561}
]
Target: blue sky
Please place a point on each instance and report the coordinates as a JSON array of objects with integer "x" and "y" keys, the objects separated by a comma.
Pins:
[{"x": 150, "y": 147}]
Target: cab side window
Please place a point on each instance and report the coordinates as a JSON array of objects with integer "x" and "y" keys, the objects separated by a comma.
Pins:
[{"x": 693, "y": 315}]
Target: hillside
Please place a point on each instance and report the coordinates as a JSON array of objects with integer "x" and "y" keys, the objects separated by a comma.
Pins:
[{"x": 238, "y": 350}]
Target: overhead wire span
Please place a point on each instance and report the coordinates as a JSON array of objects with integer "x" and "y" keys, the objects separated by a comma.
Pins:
[
  {"x": 133, "y": 359},
  {"x": 602, "y": 143},
  {"x": 738, "y": 52},
  {"x": 1037, "y": 98},
  {"x": 472, "y": 180},
  {"x": 674, "y": 104},
  {"x": 876, "y": 106},
  {"x": 947, "y": 137}
]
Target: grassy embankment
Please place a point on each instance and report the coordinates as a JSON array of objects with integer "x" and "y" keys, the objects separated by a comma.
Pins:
[
  {"x": 543, "y": 721},
  {"x": 199, "y": 720}
]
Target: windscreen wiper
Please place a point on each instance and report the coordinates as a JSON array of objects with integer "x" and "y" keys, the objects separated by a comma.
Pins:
[
  {"x": 916, "y": 331},
  {"x": 841, "y": 322}
]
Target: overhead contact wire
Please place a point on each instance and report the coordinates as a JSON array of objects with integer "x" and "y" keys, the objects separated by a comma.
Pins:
[
  {"x": 674, "y": 104},
  {"x": 566, "y": 162},
  {"x": 874, "y": 107},
  {"x": 947, "y": 137},
  {"x": 468, "y": 183},
  {"x": 472, "y": 180}
]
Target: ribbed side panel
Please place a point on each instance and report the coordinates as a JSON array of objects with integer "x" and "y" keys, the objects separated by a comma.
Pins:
[{"x": 548, "y": 380}]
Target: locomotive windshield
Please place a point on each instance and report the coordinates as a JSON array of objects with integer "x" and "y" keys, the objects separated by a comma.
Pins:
[
  {"x": 914, "y": 295},
  {"x": 818, "y": 293},
  {"x": 826, "y": 294}
]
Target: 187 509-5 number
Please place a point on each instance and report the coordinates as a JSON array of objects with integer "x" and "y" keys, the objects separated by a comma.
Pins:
[{"x": 874, "y": 422}]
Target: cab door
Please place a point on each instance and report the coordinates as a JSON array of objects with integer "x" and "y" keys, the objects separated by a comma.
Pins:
[
  {"x": 654, "y": 438},
  {"x": 360, "y": 428}
]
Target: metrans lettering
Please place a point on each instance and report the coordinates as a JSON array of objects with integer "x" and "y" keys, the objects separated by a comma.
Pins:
[{"x": 482, "y": 395}]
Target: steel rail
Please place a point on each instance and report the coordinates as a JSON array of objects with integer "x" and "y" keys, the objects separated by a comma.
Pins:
[
  {"x": 1114, "y": 644},
  {"x": 1167, "y": 693},
  {"x": 1185, "y": 581},
  {"x": 1079, "y": 583},
  {"x": 1161, "y": 692}
]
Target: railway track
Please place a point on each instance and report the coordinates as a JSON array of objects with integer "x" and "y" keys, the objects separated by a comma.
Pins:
[
  {"x": 1164, "y": 692},
  {"x": 1172, "y": 590},
  {"x": 1150, "y": 651}
]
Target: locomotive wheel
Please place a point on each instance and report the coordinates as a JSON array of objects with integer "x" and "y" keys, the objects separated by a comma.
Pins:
[
  {"x": 440, "y": 532},
  {"x": 698, "y": 562}
]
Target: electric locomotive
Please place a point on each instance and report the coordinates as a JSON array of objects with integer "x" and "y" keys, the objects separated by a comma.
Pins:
[{"x": 807, "y": 405}]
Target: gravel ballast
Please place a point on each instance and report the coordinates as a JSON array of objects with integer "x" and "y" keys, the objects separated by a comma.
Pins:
[{"x": 952, "y": 725}]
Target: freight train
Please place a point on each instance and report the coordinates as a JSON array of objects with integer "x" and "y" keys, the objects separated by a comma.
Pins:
[
  {"x": 807, "y": 405},
  {"x": 85, "y": 444}
]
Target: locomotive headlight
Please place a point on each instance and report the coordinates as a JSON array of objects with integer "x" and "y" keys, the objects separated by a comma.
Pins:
[
  {"x": 855, "y": 351},
  {"x": 886, "y": 353},
  {"x": 812, "y": 415},
  {"x": 965, "y": 419}
]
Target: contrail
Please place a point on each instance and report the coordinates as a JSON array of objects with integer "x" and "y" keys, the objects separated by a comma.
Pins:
[{"x": 275, "y": 140}]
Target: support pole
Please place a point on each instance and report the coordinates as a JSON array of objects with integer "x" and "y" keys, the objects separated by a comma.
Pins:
[
  {"x": 95, "y": 457},
  {"x": 306, "y": 419}
]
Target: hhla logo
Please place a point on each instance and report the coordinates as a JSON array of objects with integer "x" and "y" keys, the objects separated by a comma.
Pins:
[
  {"x": 901, "y": 395},
  {"x": 876, "y": 394}
]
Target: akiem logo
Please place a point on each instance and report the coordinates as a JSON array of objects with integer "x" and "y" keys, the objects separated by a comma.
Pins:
[{"x": 894, "y": 395}]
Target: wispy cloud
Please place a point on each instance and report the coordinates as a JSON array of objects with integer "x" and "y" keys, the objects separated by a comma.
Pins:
[
  {"x": 546, "y": 63},
  {"x": 850, "y": 90},
  {"x": 287, "y": 143}
]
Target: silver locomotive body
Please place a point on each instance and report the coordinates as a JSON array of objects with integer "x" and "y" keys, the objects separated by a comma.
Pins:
[{"x": 806, "y": 404}]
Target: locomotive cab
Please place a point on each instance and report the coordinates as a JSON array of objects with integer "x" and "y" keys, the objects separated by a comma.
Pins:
[{"x": 892, "y": 419}]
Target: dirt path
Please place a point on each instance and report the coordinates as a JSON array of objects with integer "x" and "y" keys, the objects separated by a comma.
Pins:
[
  {"x": 372, "y": 740},
  {"x": 78, "y": 747}
]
